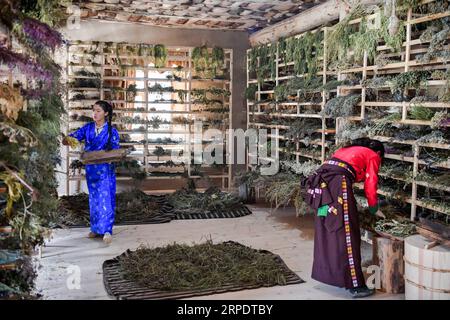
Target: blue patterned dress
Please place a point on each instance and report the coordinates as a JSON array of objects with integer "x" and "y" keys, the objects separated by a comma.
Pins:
[{"x": 100, "y": 178}]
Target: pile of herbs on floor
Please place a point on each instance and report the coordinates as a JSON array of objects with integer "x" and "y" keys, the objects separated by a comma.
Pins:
[
  {"x": 189, "y": 201},
  {"x": 131, "y": 206},
  {"x": 201, "y": 266}
]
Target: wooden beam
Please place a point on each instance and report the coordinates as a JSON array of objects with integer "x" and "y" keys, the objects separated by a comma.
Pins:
[
  {"x": 113, "y": 8},
  {"x": 306, "y": 20}
]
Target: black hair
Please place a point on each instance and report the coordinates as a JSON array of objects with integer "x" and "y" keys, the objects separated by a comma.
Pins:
[
  {"x": 107, "y": 107},
  {"x": 372, "y": 144}
]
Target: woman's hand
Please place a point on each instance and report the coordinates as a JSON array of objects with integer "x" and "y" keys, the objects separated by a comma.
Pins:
[
  {"x": 380, "y": 214},
  {"x": 65, "y": 141}
]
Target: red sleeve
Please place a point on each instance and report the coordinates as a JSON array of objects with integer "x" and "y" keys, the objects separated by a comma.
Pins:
[{"x": 371, "y": 181}]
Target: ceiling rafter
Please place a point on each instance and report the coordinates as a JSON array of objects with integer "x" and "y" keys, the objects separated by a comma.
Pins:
[{"x": 247, "y": 15}]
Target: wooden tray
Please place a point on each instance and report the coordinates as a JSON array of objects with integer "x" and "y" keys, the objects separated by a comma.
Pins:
[
  {"x": 96, "y": 157},
  {"x": 389, "y": 236},
  {"x": 433, "y": 236},
  {"x": 434, "y": 226}
]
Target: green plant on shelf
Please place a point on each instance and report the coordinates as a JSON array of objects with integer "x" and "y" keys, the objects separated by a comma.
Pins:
[
  {"x": 76, "y": 166},
  {"x": 81, "y": 118},
  {"x": 364, "y": 41},
  {"x": 159, "y": 88},
  {"x": 435, "y": 136},
  {"x": 306, "y": 51},
  {"x": 442, "y": 205},
  {"x": 262, "y": 60},
  {"x": 131, "y": 92},
  {"x": 85, "y": 73},
  {"x": 341, "y": 106},
  {"x": 394, "y": 40},
  {"x": 302, "y": 128},
  {"x": 78, "y": 96},
  {"x": 85, "y": 83},
  {"x": 333, "y": 84},
  {"x": 409, "y": 80},
  {"x": 440, "y": 120},
  {"x": 173, "y": 77},
  {"x": 208, "y": 64},
  {"x": 439, "y": 178},
  {"x": 437, "y": 34},
  {"x": 296, "y": 86},
  {"x": 250, "y": 92},
  {"x": 182, "y": 94},
  {"x": 382, "y": 60},
  {"x": 132, "y": 168},
  {"x": 160, "y": 151},
  {"x": 338, "y": 38},
  {"x": 217, "y": 60},
  {"x": 419, "y": 112},
  {"x": 181, "y": 120},
  {"x": 160, "y": 55}
]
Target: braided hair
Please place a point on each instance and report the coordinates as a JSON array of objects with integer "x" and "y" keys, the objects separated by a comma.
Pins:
[
  {"x": 107, "y": 107},
  {"x": 372, "y": 144}
]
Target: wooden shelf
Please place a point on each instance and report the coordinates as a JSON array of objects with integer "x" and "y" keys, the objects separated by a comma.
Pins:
[
  {"x": 186, "y": 108},
  {"x": 412, "y": 47}
]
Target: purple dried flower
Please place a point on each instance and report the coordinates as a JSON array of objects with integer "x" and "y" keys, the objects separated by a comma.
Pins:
[
  {"x": 32, "y": 94},
  {"x": 25, "y": 64},
  {"x": 42, "y": 33}
]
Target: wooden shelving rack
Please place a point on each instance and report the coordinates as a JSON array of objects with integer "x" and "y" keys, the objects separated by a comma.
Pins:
[
  {"x": 326, "y": 134},
  {"x": 411, "y": 48},
  {"x": 116, "y": 70}
]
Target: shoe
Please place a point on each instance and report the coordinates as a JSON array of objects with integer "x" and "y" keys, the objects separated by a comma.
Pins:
[
  {"x": 107, "y": 238},
  {"x": 361, "y": 292},
  {"x": 92, "y": 235}
]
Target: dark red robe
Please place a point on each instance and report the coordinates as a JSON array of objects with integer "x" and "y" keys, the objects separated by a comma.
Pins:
[{"x": 337, "y": 239}]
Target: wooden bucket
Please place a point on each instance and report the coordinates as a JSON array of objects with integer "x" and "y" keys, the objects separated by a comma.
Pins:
[
  {"x": 102, "y": 156},
  {"x": 427, "y": 271}
]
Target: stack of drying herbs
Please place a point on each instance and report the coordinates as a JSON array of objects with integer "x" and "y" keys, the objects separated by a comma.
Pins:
[
  {"x": 201, "y": 266},
  {"x": 341, "y": 106},
  {"x": 284, "y": 188},
  {"x": 396, "y": 228},
  {"x": 208, "y": 64},
  {"x": 368, "y": 221},
  {"x": 132, "y": 168},
  {"x": 434, "y": 177},
  {"x": 132, "y": 205},
  {"x": 188, "y": 200}
]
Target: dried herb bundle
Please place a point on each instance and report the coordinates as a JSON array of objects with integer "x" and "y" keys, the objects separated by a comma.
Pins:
[
  {"x": 132, "y": 205},
  {"x": 341, "y": 106},
  {"x": 396, "y": 228},
  {"x": 201, "y": 266},
  {"x": 189, "y": 200}
]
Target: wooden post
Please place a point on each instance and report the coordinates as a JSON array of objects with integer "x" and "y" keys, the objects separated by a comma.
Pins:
[{"x": 388, "y": 255}]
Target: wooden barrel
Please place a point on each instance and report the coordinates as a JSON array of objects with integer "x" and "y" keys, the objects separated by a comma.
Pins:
[{"x": 427, "y": 271}]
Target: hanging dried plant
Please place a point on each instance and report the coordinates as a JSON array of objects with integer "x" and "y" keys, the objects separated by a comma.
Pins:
[
  {"x": 160, "y": 55},
  {"x": 11, "y": 101},
  {"x": 18, "y": 134},
  {"x": 25, "y": 65},
  {"x": 14, "y": 191},
  {"x": 38, "y": 34}
]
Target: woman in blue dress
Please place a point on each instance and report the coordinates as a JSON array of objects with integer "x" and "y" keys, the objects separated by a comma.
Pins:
[{"x": 100, "y": 178}]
